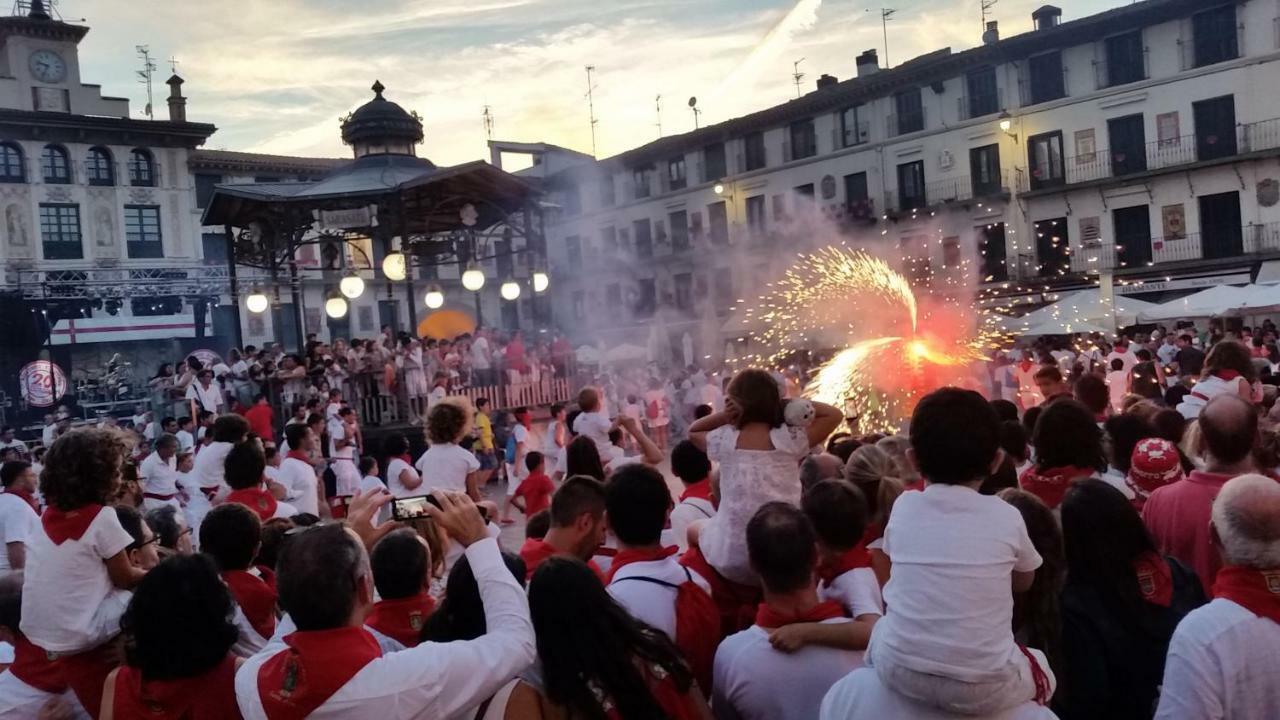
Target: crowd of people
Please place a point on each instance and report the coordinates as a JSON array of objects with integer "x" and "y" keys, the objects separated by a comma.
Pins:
[{"x": 998, "y": 559}]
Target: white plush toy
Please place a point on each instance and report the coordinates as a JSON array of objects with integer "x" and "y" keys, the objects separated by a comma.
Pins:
[{"x": 798, "y": 412}]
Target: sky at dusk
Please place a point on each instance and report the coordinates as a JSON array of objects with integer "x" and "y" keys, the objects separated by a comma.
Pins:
[{"x": 276, "y": 76}]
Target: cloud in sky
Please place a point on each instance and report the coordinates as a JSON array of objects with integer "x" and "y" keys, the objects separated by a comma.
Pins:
[{"x": 277, "y": 75}]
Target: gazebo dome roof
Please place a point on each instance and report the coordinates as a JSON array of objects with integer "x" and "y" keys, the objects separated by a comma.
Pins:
[{"x": 382, "y": 122}]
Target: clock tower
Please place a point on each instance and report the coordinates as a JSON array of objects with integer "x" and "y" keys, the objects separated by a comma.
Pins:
[{"x": 40, "y": 67}]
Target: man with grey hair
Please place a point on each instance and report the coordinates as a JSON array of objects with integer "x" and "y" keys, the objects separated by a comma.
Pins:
[{"x": 1223, "y": 656}]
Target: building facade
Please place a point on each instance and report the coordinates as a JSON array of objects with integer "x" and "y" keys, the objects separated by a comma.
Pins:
[{"x": 1138, "y": 144}]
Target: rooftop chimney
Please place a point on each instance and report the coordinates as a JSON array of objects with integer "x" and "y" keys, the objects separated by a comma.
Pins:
[
  {"x": 992, "y": 34},
  {"x": 827, "y": 81},
  {"x": 37, "y": 11},
  {"x": 177, "y": 103},
  {"x": 868, "y": 63},
  {"x": 1046, "y": 17}
]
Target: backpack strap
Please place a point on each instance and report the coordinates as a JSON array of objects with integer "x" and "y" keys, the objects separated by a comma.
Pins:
[
  {"x": 695, "y": 507},
  {"x": 655, "y": 581}
]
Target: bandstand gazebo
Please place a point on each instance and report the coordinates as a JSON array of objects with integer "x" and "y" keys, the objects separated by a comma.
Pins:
[{"x": 416, "y": 217}]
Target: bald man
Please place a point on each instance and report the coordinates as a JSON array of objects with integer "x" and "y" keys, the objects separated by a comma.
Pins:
[
  {"x": 1223, "y": 656},
  {"x": 1178, "y": 514}
]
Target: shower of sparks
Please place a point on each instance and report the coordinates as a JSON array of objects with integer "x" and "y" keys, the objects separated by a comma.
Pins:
[{"x": 888, "y": 349}]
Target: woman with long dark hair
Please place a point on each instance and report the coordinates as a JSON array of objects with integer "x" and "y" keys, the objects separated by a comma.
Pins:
[
  {"x": 1120, "y": 605},
  {"x": 582, "y": 458},
  {"x": 1037, "y": 615},
  {"x": 598, "y": 662},
  {"x": 1068, "y": 446}
]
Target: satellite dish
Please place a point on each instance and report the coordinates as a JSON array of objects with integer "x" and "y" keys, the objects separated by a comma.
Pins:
[{"x": 693, "y": 102}]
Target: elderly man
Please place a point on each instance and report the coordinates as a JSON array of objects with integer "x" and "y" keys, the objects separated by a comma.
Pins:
[
  {"x": 1178, "y": 514},
  {"x": 1223, "y": 655}
]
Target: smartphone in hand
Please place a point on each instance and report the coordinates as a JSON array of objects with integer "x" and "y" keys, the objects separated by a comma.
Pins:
[{"x": 413, "y": 508}]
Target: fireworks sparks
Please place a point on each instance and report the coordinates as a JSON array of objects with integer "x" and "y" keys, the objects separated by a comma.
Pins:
[{"x": 889, "y": 350}]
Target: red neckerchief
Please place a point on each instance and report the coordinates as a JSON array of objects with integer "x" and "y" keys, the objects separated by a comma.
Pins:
[
  {"x": 533, "y": 552},
  {"x": 256, "y": 597},
  {"x": 768, "y": 618},
  {"x": 626, "y": 557},
  {"x": 408, "y": 459},
  {"x": 402, "y": 619},
  {"x": 855, "y": 557},
  {"x": 32, "y": 666},
  {"x": 1026, "y": 365},
  {"x": 213, "y": 691},
  {"x": 916, "y": 486},
  {"x": 700, "y": 490},
  {"x": 1227, "y": 375},
  {"x": 70, "y": 525},
  {"x": 27, "y": 495},
  {"x": 296, "y": 681},
  {"x": 256, "y": 499},
  {"x": 874, "y": 532},
  {"x": 1155, "y": 579},
  {"x": 1051, "y": 484},
  {"x": 1257, "y": 591},
  {"x": 299, "y": 455}
]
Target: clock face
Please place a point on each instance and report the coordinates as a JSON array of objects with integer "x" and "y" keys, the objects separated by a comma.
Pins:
[{"x": 48, "y": 66}]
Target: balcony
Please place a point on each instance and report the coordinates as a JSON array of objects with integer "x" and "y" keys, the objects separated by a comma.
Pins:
[
  {"x": 946, "y": 192},
  {"x": 903, "y": 123},
  {"x": 973, "y": 106},
  {"x": 1108, "y": 74},
  {"x": 1158, "y": 156}
]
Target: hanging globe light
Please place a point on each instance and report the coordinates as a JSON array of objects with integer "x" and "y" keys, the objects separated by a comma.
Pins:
[
  {"x": 393, "y": 266},
  {"x": 352, "y": 285},
  {"x": 434, "y": 298},
  {"x": 473, "y": 278},
  {"x": 336, "y": 306},
  {"x": 510, "y": 290},
  {"x": 540, "y": 281},
  {"x": 257, "y": 302}
]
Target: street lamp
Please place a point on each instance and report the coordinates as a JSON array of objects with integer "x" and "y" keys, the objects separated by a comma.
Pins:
[
  {"x": 1006, "y": 124},
  {"x": 434, "y": 297},
  {"x": 510, "y": 290},
  {"x": 393, "y": 266},
  {"x": 352, "y": 285},
  {"x": 257, "y": 302},
  {"x": 473, "y": 277},
  {"x": 540, "y": 281},
  {"x": 336, "y": 306},
  {"x": 718, "y": 189}
]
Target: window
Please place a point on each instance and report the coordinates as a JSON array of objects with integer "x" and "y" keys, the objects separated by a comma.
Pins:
[
  {"x": 1128, "y": 144},
  {"x": 579, "y": 302},
  {"x": 609, "y": 241},
  {"x": 142, "y": 168},
  {"x": 1221, "y": 235},
  {"x": 718, "y": 223},
  {"x": 641, "y": 178},
  {"x": 854, "y": 128},
  {"x": 266, "y": 179},
  {"x": 1046, "y": 78},
  {"x": 60, "y": 231},
  {"x": 55, "y": 166},
  {"x": 1132, "y": 230},
  {"x": 984, "y": 167},
  {"x": 713, "y": 162},
  {"x": 214, "y": 245},
  {"x": 676, "y": 173},
  {"x": 573, "y": 251},
  {"x": 982, "y": 97},
  {"x": 607, "y": 196},
  {"x": 684, "y": 291},
  {"x": 1044, "y": 155},
  {"x": 911, "y": 185},
  {"x": 204, "y": 188},
  {"x": 679, "y": 222},
  {"x": 722, "y": 289},
  {"x": 855, "y": 196},
  {"x": 1053, "y": 247},
  {"x": 11, "y": 169},
  {"x": 805, "y": 191},
  {"x": 98, "y": 167},
  {"x": 572, "y": 200},
  {"x": 753, "y": 148},
  {"x": 755, "y": 215},
  {"x": 643, "y": 232},
  {"x": 1215, "y": 127},
  {"x": 909, "y": 112},
  {"x": 1215, "y": 34},
  {"x": 992, "y": 253},
  {"x": 647, "y": 303},
  {"x": 1126, "y": 58},
  {"x": 142, "y": 231},
  {"x": 804, "y": 141}
]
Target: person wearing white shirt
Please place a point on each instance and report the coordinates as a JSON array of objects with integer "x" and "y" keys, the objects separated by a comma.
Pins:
[
  {"x": 446, "y": 465},
  {"x": 49, "y": 432},
  {"x": 7, "y": 440},
  {"x": 1222, "y": 657},
  {"x": 753, "y": 680},
  {"x": 432, "y": 680},
  {"x": 592, "y": 421},
  {"x": 186, "y": 434},
  {"x": 516, "y": 470},
  {"x": 403, "y": 480},
  {"x": 555, "y": 436},
  {"x": 297, "y": 475},
  {"x": 481, "y": 363},
  {"x": 210, "y": 465},
  {"x": 206, "y": 392},
  {"x": 18, "y": 514},
  {"x": 28, "y": 667},
  {"x": 159, "y": 475},
  {"x": 861, "y": 696},
  {"x": 1124, "y": 353},
  {"x": 693, "y": 468},
  {"x": 342, "y": 451}
]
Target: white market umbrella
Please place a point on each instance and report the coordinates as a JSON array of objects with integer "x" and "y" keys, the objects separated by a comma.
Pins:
[
  {"x": 1062, "y": 327},
  {"x": 627, "y": 353},
  {"x": 587, "y": 354},
  {"x": 1219, "y": 300},
  {"x": 1083, "y": 307}
]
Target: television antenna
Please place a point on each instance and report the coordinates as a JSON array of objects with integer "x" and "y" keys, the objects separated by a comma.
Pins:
[
  {"x": 144, "y": 76},
  {"x": 986, "y": 6},
  {"x": 657, "y": 102},
  {"x": 488, "y": 123},
  {"x": 797, "y": 76},
  {"x": 591, "y": 105},
  {"x": 693, "y": 105},
  {"x": 886, "y": 14}
]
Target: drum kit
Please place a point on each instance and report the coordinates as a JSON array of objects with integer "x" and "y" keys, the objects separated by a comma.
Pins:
[{"x": 113, "y": 382}]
